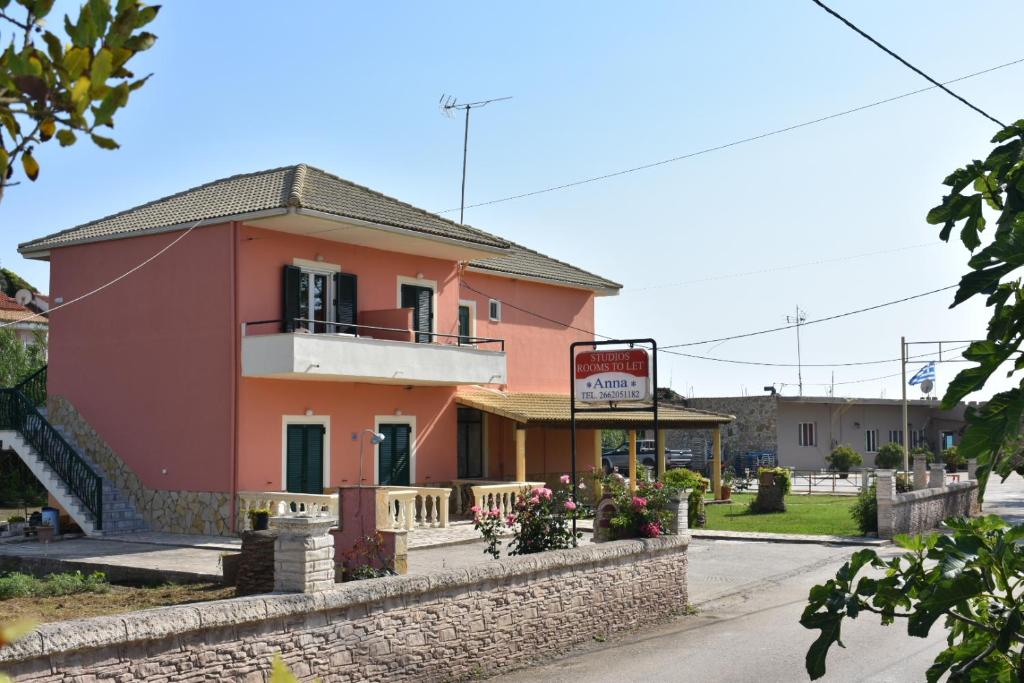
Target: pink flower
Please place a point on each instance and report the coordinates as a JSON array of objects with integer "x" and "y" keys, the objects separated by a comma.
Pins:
[
  {"x": 569, "y": 505},
  {"x": 535, "y": 500},
  {"x": 658, "y": 485},
  {"x": 546, "y": 493},
  {"x": 582, "y": 486},
  {"x": 510, "y": 520},
  {"x": 651, "y": 530},
  {"x": 494, "y": 512},
  {"x": 639, "y": 502},
  {"x": 565, "y": 479},
  {"x": 475, "y": 509}
]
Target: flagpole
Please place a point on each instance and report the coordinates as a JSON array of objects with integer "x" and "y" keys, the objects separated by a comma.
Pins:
[{"x": 906, "y": 425}]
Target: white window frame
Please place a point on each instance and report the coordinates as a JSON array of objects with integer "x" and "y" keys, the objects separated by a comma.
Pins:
[
  {"x": 321, "y": 268},
  {"x": 324, "y": 420},
  {"x": 419, "y": 282},
  {"x": 494, "y": 304},
  {"x": 395, "y": 419},
  {"x": 814, "y": 434},
  {"x": 867, "y": 440},
  {"x": 471, "y": 305}
]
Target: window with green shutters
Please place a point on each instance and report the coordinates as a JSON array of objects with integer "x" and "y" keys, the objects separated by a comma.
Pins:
[
  {"x": 305, "y": 458},
  {"x": 394, "y": 455}
]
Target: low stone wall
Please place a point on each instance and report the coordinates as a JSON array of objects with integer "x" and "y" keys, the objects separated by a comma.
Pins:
[
  {"x": 915, "y": 512},
  {"x": 452, "y": 625},
  {"x": 185, "y": 512}
]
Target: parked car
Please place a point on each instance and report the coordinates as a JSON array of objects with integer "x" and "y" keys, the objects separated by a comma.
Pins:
[{"x": 646, "y": 454}]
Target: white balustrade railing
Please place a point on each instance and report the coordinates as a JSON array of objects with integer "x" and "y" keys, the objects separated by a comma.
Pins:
[
  {"x": 501, "y": 495},
  {"x": 411, "y": 507},
  {"x": 283, "y": 503}
]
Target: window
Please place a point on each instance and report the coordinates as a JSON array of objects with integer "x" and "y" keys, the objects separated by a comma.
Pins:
[
  {"x": 917, "y": 438},
  {"x": 896, "y": 436},
  {"x": 467, "y": 321},
  {"x": 871, "y": 440},
  {"x": 494, "y": 310},
  {"x": 808, "y": 434},
  {"x": 315, "y": 296}
]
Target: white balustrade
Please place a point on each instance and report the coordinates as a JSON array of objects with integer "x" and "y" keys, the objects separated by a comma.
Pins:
[
  {"x": 501, "y": 495},
  {"x": 285, "y": 504},
  {"x": 411, "y": 507}
]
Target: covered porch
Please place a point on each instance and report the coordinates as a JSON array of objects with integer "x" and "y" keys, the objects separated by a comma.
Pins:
[{"x": 527, "y": 437}]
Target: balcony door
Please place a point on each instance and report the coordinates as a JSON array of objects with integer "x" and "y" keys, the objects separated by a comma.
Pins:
[
  {"x": 470, "y": 443},
  {"x": 314, "y": 297},
  {"x": 394, "y": 455},
  {"x": 304, "y": 458},
  {"x": 421, "y": 300}
]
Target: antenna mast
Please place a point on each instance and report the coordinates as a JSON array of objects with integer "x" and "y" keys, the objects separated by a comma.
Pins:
[
  {"x": 798, "y": 319},
  {"x": 449, "y": 104}
]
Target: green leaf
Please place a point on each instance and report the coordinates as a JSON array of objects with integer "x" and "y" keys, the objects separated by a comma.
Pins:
[
  {"x": 102, "y": 65},
  {"x": 814, "y": 661},
  {"x": 105, "y": 143},
  {"x": 30, "y": 165},
  {"x": 65, "y": 137},
  {"x": 80, "y": 93},
  {"x": 76, "y": 61},
  {"x": 946, "y": 595},
  {"x": 46, "y": 129}
]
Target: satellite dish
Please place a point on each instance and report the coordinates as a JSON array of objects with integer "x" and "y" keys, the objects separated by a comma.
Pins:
[
  {"x": 927, "y": 386},
  {"x": 23, "y": 297}
]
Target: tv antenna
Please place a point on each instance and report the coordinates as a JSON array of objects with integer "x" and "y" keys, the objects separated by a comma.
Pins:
[
  {"x": 798, "y": 319},
  {"x": 448, "y": 105}
]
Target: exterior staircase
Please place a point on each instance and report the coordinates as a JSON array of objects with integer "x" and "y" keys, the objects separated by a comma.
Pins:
[{"x": 64, "y": 469}]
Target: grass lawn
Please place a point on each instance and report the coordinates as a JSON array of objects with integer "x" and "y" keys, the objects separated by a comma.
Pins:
[
  {"x": 67, "y": 598},
  {"x": 803, "y": 515}
]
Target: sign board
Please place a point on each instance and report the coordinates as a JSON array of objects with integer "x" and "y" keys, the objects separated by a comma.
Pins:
[{"x": 620, "y": 375}]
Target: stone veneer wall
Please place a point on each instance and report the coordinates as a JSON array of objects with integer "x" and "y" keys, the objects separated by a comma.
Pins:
[
  {"x": 188, "y": 512},
  {"x": 451, "y": 625},
  {"x": 755, "y": 428},
  {"x": 916, "y": 512}
]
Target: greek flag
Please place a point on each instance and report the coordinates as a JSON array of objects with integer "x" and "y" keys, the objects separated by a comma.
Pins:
[{"x": 927, "y": 372}]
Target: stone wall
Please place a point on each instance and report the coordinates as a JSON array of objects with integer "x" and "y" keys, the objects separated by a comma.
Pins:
[
  {"x": 452, "y": 625},
  {"x": 189, "y": 512},
  {"x": 753, "y": 430},
  {"x": 916, "y": 512}
]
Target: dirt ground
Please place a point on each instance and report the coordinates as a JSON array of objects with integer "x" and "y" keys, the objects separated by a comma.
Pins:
[{"x": 118, "y": 599}]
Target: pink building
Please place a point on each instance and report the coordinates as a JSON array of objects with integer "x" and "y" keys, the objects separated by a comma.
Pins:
[{"x": 289, "y": 314}]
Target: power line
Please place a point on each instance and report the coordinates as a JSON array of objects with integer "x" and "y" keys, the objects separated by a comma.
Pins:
[
  {"x": 108, "y": 284},
  {"x": 907, "y": 64},
  {"x": 734, "y": 143},
  {"x": 812, "y": 322},
  {"x": 776, "y": 269},
  {"x": 811, "y": 365}
]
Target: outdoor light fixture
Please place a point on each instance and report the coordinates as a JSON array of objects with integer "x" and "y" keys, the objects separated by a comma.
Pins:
[
  {"x": 320, "y": 257},
  {"x": 309, "y": 412},
  {"x": 419, "y": 276},
  {"x": 376, "y": 438},
  {"x": 398, "y": 413}
]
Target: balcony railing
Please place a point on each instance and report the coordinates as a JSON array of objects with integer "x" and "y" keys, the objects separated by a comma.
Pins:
[
  {"x": 309, "y": 326},
  {"x": 411, "y": 507},
  {"x": 283, "y": 503}
]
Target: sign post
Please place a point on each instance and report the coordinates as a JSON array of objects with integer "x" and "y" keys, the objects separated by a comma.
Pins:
[{"x": 628, "y": 375}]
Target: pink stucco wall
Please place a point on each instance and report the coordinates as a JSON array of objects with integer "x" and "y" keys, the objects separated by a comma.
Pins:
[
  {"x": 351, "y": 408},
  {"x": 149, "y": 361},
  {"x": 538, "y": 350}
]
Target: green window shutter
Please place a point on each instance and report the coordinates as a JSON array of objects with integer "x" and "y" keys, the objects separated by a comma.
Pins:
[
  {"x": 345, "y": 305},
  {"x": 400, "y": 454},
  {"x": 314, "y": 459},
  {"x": 290, "y": 292},
  {"x": 295, "y": 458},
  {"x": 421, "y": 301},
  {"x": 384, "y": 458},
  {"x": 464, "y": 324}
]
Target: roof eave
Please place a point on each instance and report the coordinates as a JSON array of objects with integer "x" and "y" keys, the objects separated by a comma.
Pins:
[{"x": 598, "y": 291}]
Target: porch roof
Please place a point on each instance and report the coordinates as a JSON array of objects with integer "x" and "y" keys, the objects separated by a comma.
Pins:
[{"x": 552, "y": 410}]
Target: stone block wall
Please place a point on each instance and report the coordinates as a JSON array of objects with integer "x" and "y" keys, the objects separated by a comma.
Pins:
[
  {"x": 452, "y": 625},
  {"x": 916, "y": 512},
  {"x": 754, "y": 429},
  {"x": 256, "y": 566},
  {"x": 187, "y": 512}
]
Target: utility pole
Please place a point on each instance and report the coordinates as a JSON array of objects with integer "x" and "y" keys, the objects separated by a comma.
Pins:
[
  {"x": 798, "y": 319},
  {"x": 448, "y": 105},
  {"x": 906, "y": 420}
]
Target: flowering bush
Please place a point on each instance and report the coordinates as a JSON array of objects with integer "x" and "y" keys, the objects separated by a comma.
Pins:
[
  {"x": 540, "y": 520},
  {"x": 645, "y": 513}
]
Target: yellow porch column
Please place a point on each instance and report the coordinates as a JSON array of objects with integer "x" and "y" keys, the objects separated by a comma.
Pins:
[
  {"x": 632, "y": 460},
  {"x": 716, "y": 462},
  {"x": 661, "y": 454},
  {"x": 598, "y": 468},
  {"x": 520, "y": 454}
]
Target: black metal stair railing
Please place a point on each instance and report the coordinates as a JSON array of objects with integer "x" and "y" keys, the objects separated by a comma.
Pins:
[
  {"x": 34, "y": 387},
  {"x": 19, "y": 412}
]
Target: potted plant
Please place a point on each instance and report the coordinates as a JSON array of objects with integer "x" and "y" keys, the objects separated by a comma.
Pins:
[
  {"x": 259, "y": 519},
  {"x": 45, "y": 533},
  {"x": 728, "y": 477},
  {"x": 889, "y": 457},
  {"x": 842, "y": 458},
  {"x": 16, "y": 525},
  {"x": 951, "y": 456}
]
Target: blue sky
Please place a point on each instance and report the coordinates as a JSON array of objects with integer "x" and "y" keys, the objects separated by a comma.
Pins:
[{"x": 598, "y": 86}]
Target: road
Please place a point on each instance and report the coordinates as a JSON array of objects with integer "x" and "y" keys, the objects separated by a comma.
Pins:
[{"x": 749, "y": 598}]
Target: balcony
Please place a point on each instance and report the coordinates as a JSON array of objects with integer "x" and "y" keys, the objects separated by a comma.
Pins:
[{"x": 376, "y": 354}]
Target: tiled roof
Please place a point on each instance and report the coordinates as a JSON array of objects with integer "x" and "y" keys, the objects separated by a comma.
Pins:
[
  {"x": 12, "y": 311},
  {"x": 306, "y": 187},
  {"x": 533, "y": 409},
  {"x": 298, "y": 186}
]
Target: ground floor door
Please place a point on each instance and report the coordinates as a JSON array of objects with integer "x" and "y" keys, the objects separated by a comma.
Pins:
[
  {"x": 394, "y": 455},
  {"x": 947, "y": 440},
  {"x": 304, "y": 465},
  {"x": 471, "y": 444}
]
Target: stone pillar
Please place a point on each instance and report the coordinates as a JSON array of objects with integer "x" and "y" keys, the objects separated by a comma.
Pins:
[
  {"x": 598, "y": 467},
  {"x": 936, "y": 476},
  {"x": 865, "y": 480},
  {"x": 716, "y": 462},
  {"x": 661, "y": 454},
  {"x": 678, "y": 505},
  {"x": 520, "y": 454},
  {"x": 303, "y": 554},
  {"x": 603, "y": 513},
  {"x": 972, "y": 469},
  {"x": 886, "y": 494},
  {"x": 633, "y": 470},
  {"x": 920, "y": 472}
]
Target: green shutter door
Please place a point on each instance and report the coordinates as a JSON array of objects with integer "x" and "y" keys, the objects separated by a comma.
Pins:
[
  {"x": 421, "y": 301},
  {"x": 394, "y": 455},
  {"x": 305, "y": 459}
]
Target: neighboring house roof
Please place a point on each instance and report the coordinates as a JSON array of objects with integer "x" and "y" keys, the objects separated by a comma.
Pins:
[
  {"x": 553, "y": 410},
  {"x": 12, "y": 311},
  {"x": 305, "y": 187}
]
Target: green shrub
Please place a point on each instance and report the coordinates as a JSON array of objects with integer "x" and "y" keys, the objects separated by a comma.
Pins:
[
  {"x": 889, "y": 457},
  {"x": 18, "y": 585},
  {"x": 865, "y": 510},
  {"x": 683, "y": 478},
  {"x": 951, "y": 456},
  {"x": 15, "y": 519},
  {"x": 842, "y": 458},
  {"x": 782, "y": 477}
]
